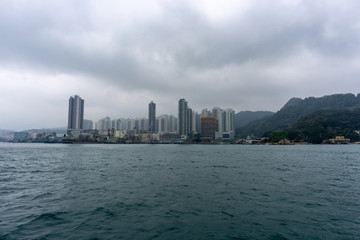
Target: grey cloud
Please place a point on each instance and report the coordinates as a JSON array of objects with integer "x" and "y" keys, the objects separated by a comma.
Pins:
[
  {"x": 181, "y": 53},
  {"x": 266, "y": 31}
]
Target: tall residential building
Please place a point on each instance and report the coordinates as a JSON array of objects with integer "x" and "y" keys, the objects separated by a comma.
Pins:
[
  {"x": 205, "y": 112},
  {"x": 88, "y": 124},
  {"x": 217, "y": 112},
  {"x": 76, "y": 113},
  {"x": 182, "y": 117},
  {"x": 172, "y": 124},
  {"x": 228, "y": 120},
  {"x": 197, "y": 123},
  {"x": 185, "y": 118},
  {"x": 162, "y": 124},
  {"x": 119, "y": 124},
  {"x": 152, "y": 117},
  {"x": 166, "y": 124},
  {"x": 103, "y": 124},
  {"x": 143, "y": 124},
  {"x": 189, "y": 122},
  {"x": 193, "y": 122}
]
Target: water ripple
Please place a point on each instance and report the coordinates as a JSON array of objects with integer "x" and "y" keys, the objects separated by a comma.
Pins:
[{"x": 179, "y": 192}]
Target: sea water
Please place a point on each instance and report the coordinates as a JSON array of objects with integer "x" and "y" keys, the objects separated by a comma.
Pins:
[{"x": 75, "y": 191}]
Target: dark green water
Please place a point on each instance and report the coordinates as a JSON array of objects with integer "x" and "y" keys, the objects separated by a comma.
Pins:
[{"x": 179, "y": 192}]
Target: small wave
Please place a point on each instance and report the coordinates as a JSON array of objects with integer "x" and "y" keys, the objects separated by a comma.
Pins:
[
  {"x": 178, "y": 213},
  {"x": 107, "y": 211},
  {"x": 43, "y": 195},
  {"x": 220, "y": 166},
  {"x": 7, "y": 179},
  {"x": 135, "y": 206},
  {"x": 278, "y": 236},
  {"x": 280, "y": 169},
  {"x": 5, "y": 237},
  {"x": 239, "y": 238},
  {"x": 313, "y": 205},
  {"x": 227, "y": 214},
  {"x": 47, "y": 218},
  {"x": 50, "y": 216}
]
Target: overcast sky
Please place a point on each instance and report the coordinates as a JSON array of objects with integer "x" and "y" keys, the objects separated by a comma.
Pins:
[{"x": 120, "y": 55}]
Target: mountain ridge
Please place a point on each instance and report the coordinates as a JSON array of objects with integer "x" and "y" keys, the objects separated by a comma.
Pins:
[{"x": 296, "y": 108}]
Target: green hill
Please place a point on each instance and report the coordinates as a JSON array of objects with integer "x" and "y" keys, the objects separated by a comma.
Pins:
[
  {"x": 296, "y": 108},
  {"x": 325, "y": 124}
]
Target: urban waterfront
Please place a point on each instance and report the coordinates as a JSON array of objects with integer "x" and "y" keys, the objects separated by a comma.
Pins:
[{"x": 75, "y": 191}]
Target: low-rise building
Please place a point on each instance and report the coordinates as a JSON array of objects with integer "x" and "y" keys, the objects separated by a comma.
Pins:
[
  {"x": 225, "y": 136},
  {"x": 339, "y": 140}
]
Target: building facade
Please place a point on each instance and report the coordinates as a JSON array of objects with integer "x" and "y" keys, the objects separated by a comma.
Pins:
[
  {"x": 152, "y": 116},
  {"x": 216, "y": 111},
  {"x": 88, "y": 124},
  {"x": 209, "y": 125},
  {"x": 76, "y": 113},
  {"x": 228, "y": 120},
  {"x": 185, "y": 119},
  {"x": 182, "y": 117}
]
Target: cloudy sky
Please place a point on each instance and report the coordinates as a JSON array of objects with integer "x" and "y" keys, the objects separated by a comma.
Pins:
[{"x": 120, "y": 55}]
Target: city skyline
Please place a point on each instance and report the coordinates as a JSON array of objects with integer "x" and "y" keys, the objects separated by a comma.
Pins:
[
  {"x": 187, "y": 125},
  {"x": 246, "y": 55}
]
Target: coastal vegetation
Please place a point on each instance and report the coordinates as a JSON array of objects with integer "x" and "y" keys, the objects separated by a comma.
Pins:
[{"x": 310, "y": 120}]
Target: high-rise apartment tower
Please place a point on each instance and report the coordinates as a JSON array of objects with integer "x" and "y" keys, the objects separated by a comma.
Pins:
[
  {"x": 76, "y": 113},
  {"x": 152, "y": 116},
  {"x": 227, "y": 120},
  {"x": 184, "y": 118}
]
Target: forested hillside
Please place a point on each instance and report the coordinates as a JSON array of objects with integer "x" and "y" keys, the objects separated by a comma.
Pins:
[{"x": 296, "y": 108}]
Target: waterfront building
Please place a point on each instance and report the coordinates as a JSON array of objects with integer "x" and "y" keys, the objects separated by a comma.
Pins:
[
  {"x": 339, "y": 140},
  {"x": 119, "y": 124},
  {"x": 193, "y": 122},
  {"x": 157, "y": 125},
  {"x": 130, "y": 124},
  {"x": 228, "y": 120},
  {"x": 217, "y": 112},
  {"x": 76, "y": 113},
  {"x": 88, "y": 124},
  {"x": 197, "y": 123},
  {"x": 182, "y": 119},
  {"x": 225, "y": 136},
  {"x": 209, "y": 125},
  {"x": 162, "y": 124},
  {"x": 172, "y": 126},
  {"x": 189, "y": 122},
  {"x": 113, "y": 124},
  {"x": 140, "y": 124},
  {"x": 103, "y": 124},
  {"x": 143, "y": 124},
  {"x": 21, "y": 136},
  {"x": 152, "y": 116},
  {"x": 166, "y": 124}
]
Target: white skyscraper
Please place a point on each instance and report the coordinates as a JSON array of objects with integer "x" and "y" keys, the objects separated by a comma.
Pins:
[
  {"x": 228, "y": 120},
  {"x": 103, "y": 124},
  {"x": 88, "y": 124}
]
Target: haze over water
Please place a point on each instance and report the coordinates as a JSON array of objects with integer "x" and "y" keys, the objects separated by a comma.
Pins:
[{"x": 179, "y": 192}]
